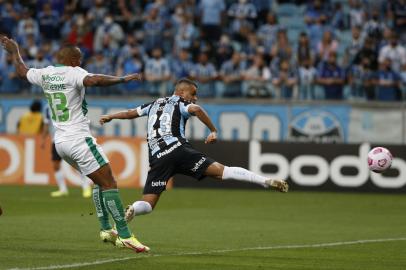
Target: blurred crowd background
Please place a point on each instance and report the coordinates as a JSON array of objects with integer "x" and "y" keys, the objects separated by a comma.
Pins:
[{"x": 350, "y": 50}]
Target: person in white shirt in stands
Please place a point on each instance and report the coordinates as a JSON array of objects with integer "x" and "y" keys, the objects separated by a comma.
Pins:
[
  {"x": 307, "y": 77},
  {"x": 64, "y": 88},
  {"x": 395, "y": 52},
  {"x": 212, "y": 18},
  {"x": 157, "y": 73}
]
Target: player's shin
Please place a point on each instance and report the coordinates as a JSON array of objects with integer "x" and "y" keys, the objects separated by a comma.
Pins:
[
  {"x": 241, "y": 174},
  {"x": 60, "y": 180},
  {"x": 86, "y": 186},
  {"x": 101, "y": 210},
  {"x": 62, "y": 188},
  {"x": 113, "y": 203}
]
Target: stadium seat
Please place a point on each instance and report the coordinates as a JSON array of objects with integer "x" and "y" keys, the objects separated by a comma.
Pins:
[
  {"x": 284, "y": 21},
  {"x": 293, "y": 35},
  {"x": 344, "y": 37},
  {"x": 302, "y": 9},
  {"x": 341, "y": 49},
  {"x": 296, "y": 22},
  {"x": 290, "y": 10}
]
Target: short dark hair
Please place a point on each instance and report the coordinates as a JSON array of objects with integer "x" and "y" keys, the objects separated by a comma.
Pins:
[
  {"x": 36, "y": 106},
  {"x": 67, "y": 50},
  {"x": 186, "y": 81}
]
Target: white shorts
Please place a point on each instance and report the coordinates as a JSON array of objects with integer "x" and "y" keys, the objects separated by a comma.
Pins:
[{"x": 84, "y": 154}]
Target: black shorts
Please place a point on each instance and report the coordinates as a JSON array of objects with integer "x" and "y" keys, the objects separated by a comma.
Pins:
[
  {"x": 183, "y": 159},
  {"x": 55, "y": 155}
]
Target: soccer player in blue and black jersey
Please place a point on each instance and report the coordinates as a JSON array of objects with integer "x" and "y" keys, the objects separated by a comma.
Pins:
[{"x": 169, "y": 151}]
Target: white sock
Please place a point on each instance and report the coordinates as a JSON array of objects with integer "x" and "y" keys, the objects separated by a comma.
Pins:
[
  {"x": 142, "y": 208},
  {"x": 241, "y": 174},
  {"x": 85, "y": 181},
  {"x": 60, "y": 180}
]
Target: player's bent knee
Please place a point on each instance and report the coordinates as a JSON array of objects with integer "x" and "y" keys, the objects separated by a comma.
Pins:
[
  {"x": 215, "y": 170},
  {"x": 110, "y": 185},
  {"x": 103, "y": 177}
]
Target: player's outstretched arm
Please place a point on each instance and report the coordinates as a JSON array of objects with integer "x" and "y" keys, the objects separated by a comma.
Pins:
[
  {"x": 12, "y": 48},
  {"x": 107, "y": 80},
  {"x": 205, "y": 119},
  {"x": 129, "y": 114}
]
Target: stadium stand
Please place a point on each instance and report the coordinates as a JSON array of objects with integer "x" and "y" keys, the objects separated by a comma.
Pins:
[{"x": 119, "y": 37}]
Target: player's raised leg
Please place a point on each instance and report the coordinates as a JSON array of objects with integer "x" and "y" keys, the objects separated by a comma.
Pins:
[
  {"x": 216, "y": 170},
  {"x": 158, "y": 176},
  {"x": 219, "y": 171}
]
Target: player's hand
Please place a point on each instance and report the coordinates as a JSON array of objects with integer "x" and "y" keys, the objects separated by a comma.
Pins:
[
  {"x": 9, "y": 44},
  {"x": 133, "y": 77},
  {"x": 104, "y": 119},
  {"x": 212, "y": 138}
]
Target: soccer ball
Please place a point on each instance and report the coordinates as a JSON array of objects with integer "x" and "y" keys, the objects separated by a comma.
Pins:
[{"x": 379, "y": 159}]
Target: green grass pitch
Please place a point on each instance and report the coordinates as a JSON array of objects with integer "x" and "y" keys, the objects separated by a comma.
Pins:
[{"x": 208, "y": 229}]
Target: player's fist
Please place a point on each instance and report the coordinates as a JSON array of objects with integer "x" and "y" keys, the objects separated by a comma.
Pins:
[
  {"x": 8, "y": 44},
  {"x": 212, "y": 138},
  {"x": 104, "y": 119},
  {"x": 133, "y": 77}
]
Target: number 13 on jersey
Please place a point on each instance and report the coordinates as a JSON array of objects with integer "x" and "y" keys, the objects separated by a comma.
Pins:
[{"x": 58, "y": 105}]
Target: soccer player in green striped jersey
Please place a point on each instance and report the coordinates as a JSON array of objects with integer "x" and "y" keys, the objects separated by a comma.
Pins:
[{"x": 64, "y": 88}]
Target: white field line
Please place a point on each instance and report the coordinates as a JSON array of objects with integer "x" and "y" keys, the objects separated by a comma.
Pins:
[{"x": 144, "y": 256}]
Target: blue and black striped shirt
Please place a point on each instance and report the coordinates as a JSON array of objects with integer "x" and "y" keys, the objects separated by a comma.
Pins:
[{"x": 166, "y": 122}]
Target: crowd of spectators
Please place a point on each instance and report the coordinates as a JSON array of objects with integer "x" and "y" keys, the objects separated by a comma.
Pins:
[{"x": 233, "y": 48}]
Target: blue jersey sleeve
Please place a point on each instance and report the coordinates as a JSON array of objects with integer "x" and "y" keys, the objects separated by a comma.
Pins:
[
  {"x": 143, "y": 109},
  {"x": 183, "y": 107}
]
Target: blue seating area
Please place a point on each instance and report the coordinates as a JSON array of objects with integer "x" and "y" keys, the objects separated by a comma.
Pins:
[{"x": 171, "y": 39}]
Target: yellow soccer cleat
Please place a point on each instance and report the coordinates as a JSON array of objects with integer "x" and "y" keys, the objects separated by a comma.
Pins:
[
  {"x": 279, "y": 185},
  {"x": 108, "y": 236},
  {"x": 58, "y": 193},
  {"x": 87, "y": 192},
  {"x": 131, "y": 243}
]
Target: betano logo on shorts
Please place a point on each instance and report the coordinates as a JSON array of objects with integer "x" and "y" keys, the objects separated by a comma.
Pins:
[
  {"x": 158, "y": 184},
  {"x": 198, "y": 164}
]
